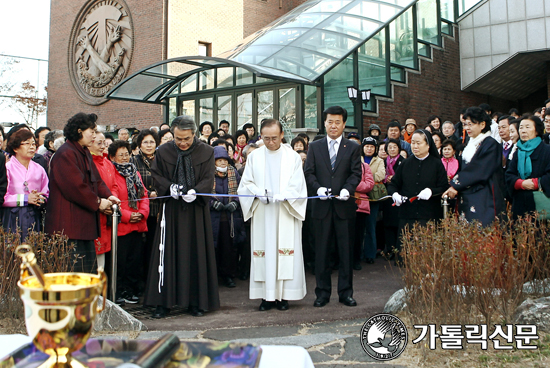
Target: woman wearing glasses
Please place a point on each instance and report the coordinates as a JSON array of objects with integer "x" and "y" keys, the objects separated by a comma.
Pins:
[
  {"x": 134, "y": 211},
  {"x": 27, "y": 186}
]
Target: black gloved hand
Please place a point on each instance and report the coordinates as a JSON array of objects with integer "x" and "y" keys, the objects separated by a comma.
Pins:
[
  {"x": 231, "y": 207},
  {"x": 218, "y": 206}
]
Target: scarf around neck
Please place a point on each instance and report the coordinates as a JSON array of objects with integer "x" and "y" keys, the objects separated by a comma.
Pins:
[
  {"x": 184, "y": 174},
  {"x": 146, "y": 160},
  {"x": 390, "y": 163},
  {"x": 525, "y": 149},
  {"x": 473, "y": 145},
  {"x": 129, "y": 172}
]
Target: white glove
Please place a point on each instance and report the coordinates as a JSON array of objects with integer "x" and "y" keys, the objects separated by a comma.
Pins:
[
  {"x": 398, "y": 199},
  {"x": 175, "y": 191},
  {"x": 278, "y": 198},
  {"x": 190, "y": 196},
  {"x": 323, "y": 193},
  {"x": 264, "y": 198},
  {"x": 344, "y": 195},
  {"x": 425, "y": 194}
]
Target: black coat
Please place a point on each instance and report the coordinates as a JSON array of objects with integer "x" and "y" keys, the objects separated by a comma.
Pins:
[
  {"x": 522, "y": 200},
  {"x": 346, "y": 174},
  {"x": 415, "y": 175},
  {"x": 391, "y": 213},
  {"x": 480, "y": 184}
]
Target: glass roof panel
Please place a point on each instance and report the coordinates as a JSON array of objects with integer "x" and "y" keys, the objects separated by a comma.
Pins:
[
  {"x": 137, "y": 87},
  {"x": 172, "y": 69},
  {"x": 317, "y": 34},
  {"x": 300, "y": 47}
]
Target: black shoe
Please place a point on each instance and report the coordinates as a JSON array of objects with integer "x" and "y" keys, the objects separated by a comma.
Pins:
[
  {"x": 265, "y": 305},
  {"x": 244, "y": 276},
  {"x": 370, "y": 260},
  {"x": 349, "y": 301},
  {"x": 229, "y": 282},
  {"x": 282, "y": 305},
  {"x": 160, "y": 312},
  {"x": 129, "y": 298},
  {"x": 357, "y": 266},
  {"x": 120, "y": 301},
  {"x": 320, "y": 302},
  {"x": 196, "y": 312}
]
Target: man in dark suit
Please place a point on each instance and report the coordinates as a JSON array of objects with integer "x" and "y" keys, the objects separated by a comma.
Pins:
[{"x": 333, "y": 166}]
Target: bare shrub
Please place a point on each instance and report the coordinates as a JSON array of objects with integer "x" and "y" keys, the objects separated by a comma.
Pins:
[
  {"x": 460, "y": 272},
  {"x": 53, "y": 255}
]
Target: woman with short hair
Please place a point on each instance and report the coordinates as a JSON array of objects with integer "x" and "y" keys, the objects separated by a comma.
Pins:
[
  {"x": 147, "y": 142},
  {"x": 77, "y": 191},
  {"x": 27, "y": 189},
  {"x": 134, "y": 211},
  {"x": 205, "y": 130},
  {"x": 529, "y": 170},
  {"x": 241, "y": 138},
  {"x": 378, "y": 170},
  {"x": 479, "y": 182},
  {"x": 423, "y": 176}
]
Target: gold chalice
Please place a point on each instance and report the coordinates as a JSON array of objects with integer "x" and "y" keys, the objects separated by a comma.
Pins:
[{"x": 59, "y": 308}]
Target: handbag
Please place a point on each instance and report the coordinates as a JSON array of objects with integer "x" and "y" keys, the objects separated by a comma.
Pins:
[
  {"x": 542, "y": 204},
  {"x": 378, "y": 191}
]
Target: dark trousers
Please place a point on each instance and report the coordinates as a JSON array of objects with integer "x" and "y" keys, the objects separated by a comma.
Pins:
[
  {"x": 86, "y": 261},
  {"x": 227, "y": 255},
  {"x": 244, "y": 252},
  {"x": 129, "y": 260},
  {"x": 326, "y": 228},
  {"x": 147, "y": 249},
  {"x": 370, "y": 244},
  {"x": 308, "y": 239},
  {"x": 358, "y": 236}
]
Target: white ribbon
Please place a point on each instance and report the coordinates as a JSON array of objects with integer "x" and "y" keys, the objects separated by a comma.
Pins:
[{"x": 161, "y": 247}]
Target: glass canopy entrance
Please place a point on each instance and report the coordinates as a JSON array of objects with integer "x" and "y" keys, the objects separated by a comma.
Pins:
[{"x": 301, "y": 63}]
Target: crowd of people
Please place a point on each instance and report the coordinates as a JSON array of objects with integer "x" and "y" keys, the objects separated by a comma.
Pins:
[{"x": 200, "y": 208}]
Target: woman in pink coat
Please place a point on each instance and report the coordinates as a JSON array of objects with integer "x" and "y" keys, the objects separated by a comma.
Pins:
[
  {"x": 363, "y": 209},
  {"x": 27, "y": 186}
]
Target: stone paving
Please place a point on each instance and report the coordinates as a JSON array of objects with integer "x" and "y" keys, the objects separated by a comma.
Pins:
[{"x": 330, "y": 334}]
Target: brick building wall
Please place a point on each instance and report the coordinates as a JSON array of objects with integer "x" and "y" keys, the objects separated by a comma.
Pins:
[
  {"x": 218, "y": 22},
  {"x": 434, "y": 91},
  {"x": 64, "y": 102},
  {"x": 259, "y": 13}
]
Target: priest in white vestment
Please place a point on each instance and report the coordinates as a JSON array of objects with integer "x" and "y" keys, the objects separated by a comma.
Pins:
[{"x": 274, "y": 173}]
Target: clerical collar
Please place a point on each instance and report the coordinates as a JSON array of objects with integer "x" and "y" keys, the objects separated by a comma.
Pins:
[{"x": 423, "y": 158}]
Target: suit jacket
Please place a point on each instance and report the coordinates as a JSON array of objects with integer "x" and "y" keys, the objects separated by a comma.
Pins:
[{"x": 346, "y": 175}]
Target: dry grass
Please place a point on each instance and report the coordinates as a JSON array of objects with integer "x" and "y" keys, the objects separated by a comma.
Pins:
[
  {"x": 53, "y": 255},
  {"x": 461, "y": 273}
]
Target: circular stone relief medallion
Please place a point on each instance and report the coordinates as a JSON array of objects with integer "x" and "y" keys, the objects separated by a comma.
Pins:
[{"x": 100, "y": 48}]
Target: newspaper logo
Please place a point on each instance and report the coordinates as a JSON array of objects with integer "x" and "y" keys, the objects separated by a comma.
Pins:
[{"x": 384, "y": 337}]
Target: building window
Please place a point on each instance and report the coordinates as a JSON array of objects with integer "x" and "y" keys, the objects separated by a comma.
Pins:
[{"x": 205, "y": 49}]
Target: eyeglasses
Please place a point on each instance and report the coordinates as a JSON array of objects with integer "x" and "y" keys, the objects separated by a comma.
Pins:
[{"x": 32, "y": 144}]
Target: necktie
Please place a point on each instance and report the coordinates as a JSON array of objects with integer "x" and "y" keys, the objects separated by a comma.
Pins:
[
  {"x": 506, "y": 146},
  {"x": 332, "y": 153}
]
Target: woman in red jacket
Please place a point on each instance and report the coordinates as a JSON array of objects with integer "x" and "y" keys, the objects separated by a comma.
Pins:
[
  {"x": 134, "y": 212},
  {"x": 108, "y": 173},
  {"x": 363, "y": 209}
]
